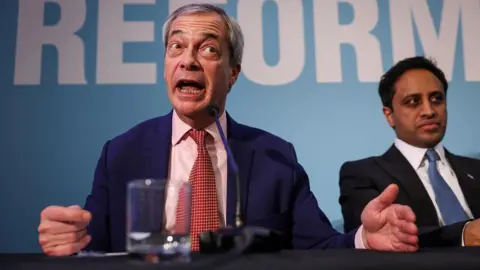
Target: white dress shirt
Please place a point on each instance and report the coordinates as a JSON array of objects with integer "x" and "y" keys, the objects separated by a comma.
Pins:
[
  {"x": 416, "y": 158},
  {"x": 182, "y": 158}
]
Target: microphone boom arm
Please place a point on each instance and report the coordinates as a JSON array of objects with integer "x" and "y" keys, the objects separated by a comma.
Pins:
[
  {"x": 213, "y": 111},
  {"x": 241, "y": 239}
]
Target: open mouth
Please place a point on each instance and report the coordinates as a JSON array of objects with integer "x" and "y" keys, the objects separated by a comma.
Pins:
[{"x": 190, "y": 87}]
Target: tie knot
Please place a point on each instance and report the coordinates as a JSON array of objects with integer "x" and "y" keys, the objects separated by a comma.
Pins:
[
  {"x": 198, "y": 136},
  {"x": 431, "y": 155}
]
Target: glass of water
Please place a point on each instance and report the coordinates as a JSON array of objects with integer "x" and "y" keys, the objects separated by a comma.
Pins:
[{"x": 158, "y": 219}]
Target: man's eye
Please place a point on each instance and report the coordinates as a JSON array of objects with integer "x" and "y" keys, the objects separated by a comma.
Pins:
[
  {"x": 174, "y": 46},
  {"x": 412, "y": 102},
  {"x": 437, "y": 99},
  {"x": 210, "y": 49}
]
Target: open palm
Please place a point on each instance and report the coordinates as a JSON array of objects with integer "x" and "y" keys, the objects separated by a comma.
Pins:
[{"x": 388, "y": 226}]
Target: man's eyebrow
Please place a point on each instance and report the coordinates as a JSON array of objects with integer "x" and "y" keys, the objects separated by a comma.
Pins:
[
  {"x": 410, "y": 95},
  {"x": 205, "y": 35},
  {"x": 176, "y": 32},
  {"x": 209, "y": 35}
]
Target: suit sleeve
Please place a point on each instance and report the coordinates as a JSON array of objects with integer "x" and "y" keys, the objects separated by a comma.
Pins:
[
  {"x": 446, "y": 236},
  {"x": 311, "y": 227},
  {"x": 97, "y": 204},
  {"x": 356, "y": 191}
]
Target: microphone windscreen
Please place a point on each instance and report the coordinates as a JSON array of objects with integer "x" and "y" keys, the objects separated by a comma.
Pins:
[{"x": 212, "y": 110}]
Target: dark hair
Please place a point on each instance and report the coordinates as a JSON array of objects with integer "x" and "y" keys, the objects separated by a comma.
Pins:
[{"x": 386, "y": 87}]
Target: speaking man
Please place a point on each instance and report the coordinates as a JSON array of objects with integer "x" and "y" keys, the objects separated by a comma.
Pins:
[{"x": 202, "y": 62}]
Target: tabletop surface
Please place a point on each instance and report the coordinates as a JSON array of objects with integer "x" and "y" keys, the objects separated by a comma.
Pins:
[{"x": 441, "y": 258}]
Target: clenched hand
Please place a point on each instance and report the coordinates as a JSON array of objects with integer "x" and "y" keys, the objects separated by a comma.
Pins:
[{"x": 62, "y": 230}]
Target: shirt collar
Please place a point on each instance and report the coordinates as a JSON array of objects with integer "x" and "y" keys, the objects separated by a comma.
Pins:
[
  {"x": 180, "y": 128},
  {"x": 416, "y": 155}
]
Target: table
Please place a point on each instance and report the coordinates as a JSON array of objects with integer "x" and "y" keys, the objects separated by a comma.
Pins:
[{"x": 441, "y": 258}]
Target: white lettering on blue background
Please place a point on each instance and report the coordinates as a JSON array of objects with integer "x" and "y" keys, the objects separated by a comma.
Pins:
[
  {"x": 459, "y": 21},
  {"x": 291, "y": 42},
  {"x": 329, "y": 35},
  {"x": 113, "y": 31},
  {"x": 32, "y": 35},
  {"x": 442, "y": 45},
  {"x": 175, "y": 4}
]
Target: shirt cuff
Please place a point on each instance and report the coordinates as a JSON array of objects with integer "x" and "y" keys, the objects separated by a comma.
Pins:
[
  {"x": 463, "y": 231},
  {"x": 359, "y": 238}
]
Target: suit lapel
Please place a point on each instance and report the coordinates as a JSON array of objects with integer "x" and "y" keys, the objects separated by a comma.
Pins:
[
  {"x": 243, "y": 155},
  {"x": 470, "y": 187},
  {"x": 395, "y": 164},
  {"x": 159, "y": 147}
]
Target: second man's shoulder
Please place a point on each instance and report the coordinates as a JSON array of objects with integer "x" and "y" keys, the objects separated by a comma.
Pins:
[
  {"x": 472, "y": 161},
  {"x": 358, "y": 165}
]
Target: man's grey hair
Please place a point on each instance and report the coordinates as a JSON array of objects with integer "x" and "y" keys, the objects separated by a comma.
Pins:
[{"x": 234, "y": 32}]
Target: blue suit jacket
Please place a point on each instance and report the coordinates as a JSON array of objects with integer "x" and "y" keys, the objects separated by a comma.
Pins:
[{"x": 275, "y": 188}]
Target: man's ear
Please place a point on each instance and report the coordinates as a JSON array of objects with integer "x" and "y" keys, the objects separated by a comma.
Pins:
[
  {"x": 388, "y": 113},
  {"x": 234, "y": 76}
]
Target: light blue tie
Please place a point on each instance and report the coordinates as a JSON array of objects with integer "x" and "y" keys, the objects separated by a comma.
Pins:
[{"x": 450, "y": 208}]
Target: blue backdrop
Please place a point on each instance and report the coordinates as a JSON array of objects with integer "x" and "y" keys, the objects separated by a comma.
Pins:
[{"x": 73, "y": 74}]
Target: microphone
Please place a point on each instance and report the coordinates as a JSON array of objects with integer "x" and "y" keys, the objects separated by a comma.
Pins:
[{"x": 241, "y": 239}]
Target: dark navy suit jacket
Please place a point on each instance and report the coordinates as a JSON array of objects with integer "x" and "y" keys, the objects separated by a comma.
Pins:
[
  {"x": 275, "y": 190},
  {"x": 364, "y": 179}
]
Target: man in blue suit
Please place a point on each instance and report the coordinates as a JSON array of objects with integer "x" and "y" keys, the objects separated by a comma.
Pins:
[{"x": 202, "y": 62}]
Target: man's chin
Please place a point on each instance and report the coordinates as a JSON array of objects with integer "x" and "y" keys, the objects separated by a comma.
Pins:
[
  {"x": 431, "y": 140},
  {"x": 190, "y": 110}
]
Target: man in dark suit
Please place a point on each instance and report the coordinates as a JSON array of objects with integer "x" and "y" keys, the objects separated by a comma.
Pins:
[
  {"x": 443, "y": 189},
  {"x": 202, "y": 61}
]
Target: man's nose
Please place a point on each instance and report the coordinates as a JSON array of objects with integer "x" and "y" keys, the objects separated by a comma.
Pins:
[
  {"x": 428, "y": 110},
  {"x": 189, "y": 60}
]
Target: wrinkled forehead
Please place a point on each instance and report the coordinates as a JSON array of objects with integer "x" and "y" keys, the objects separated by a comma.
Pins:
[{"x": 198, "y": 25}]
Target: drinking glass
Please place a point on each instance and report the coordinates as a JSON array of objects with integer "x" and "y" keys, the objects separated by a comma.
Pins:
[{"x": 152, "y": 227}]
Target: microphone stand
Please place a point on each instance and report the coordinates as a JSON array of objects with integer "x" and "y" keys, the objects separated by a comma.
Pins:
[{"x": 241, "y": 239}]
